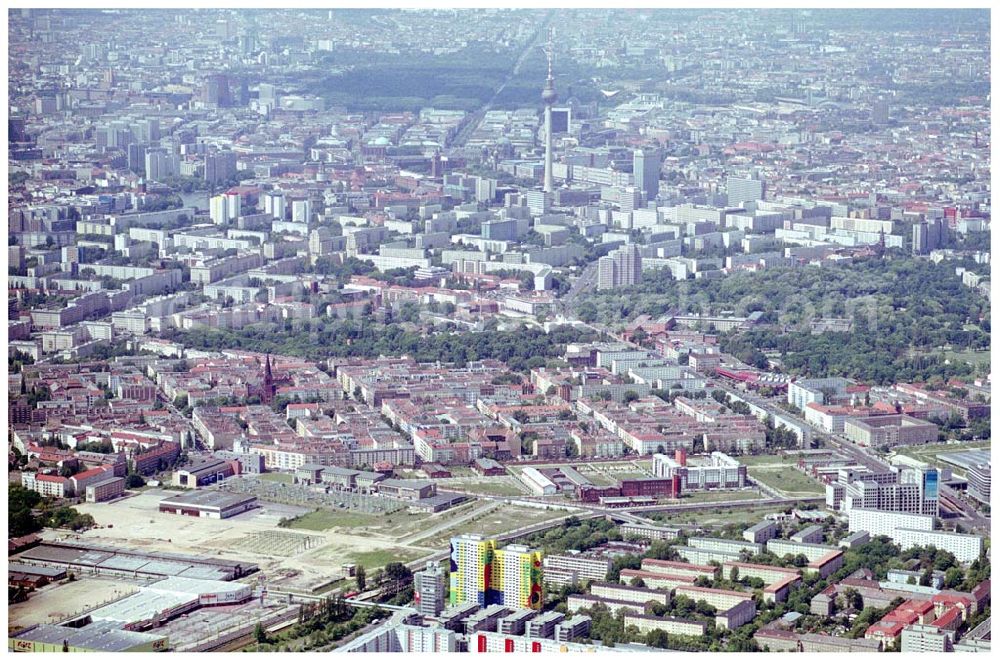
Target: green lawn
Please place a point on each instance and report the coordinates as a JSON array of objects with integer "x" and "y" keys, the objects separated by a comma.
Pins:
[
  {"x": 504, "y": 488},
  {"x": 631, "y": 475},
  {"x": 789, "y": 481},
  {"x": 973, "y": 357},
  {"x": 768, "y": 459},
  {"x": 323, "y": 520},
  {"x": 497, "y": 521},
  {"x": 713, "y": 516},
  {"x": 597, "y": 479},
  {"x": 461, "y": 471},
  {"x": 277, "y": 476},
  {"x": 720, "y": 496},
  {"x": 378, "y": 558}
]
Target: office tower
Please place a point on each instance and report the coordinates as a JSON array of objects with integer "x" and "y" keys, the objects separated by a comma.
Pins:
[
  {"x": 979, "y": 482},
  {"x": 549, "y": 97},
  {"x": 880, "y": 112},
  {"x": 621, "y": 267},
  {"x": 538, "y": 202},
  {"x": 910, "y": 490},
  {"x": 116, "y": 134},
  {"x": 267, "y": 94},
  {"x": 483, "y": 574},
  {"x": 146, "y": 131},
  {"x": 646, "y": 165},
  {"x": 499, "y": 229},
  {"x": 929, "y": 235},
  {"x": 161, "y": 164},
  {"x": 560, "y": 120},
  {"x": 220, "y": 166},
  {"x": 428, "y": 590},
  {"x": 630, "y": 199},
  {"x": 242, "y": 93},
  {"x": 137, "y": 158},
  {"x": 741, "y": 190},
  {"x": 16, "y": 130},
  {"x": 215, "y": 91}
]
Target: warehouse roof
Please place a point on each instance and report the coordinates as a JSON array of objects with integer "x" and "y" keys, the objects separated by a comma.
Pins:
[
  {"x": 98, "y": 636},
  {"x": 211, "y": 499}
]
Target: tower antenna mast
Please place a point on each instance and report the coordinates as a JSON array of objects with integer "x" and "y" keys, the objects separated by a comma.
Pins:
[
  {"x": 549, "y": 97},
  {"x": 550, "y": 50}
]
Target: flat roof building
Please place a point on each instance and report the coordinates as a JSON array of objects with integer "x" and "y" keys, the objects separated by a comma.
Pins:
[{"x": 208, "y": 504}]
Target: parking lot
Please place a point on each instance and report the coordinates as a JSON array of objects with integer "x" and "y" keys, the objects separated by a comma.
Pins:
[{"x": 63, "y": 600}]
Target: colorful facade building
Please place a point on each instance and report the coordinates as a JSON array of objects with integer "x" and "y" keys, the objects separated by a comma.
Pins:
[{"x": 483, "y": 574}]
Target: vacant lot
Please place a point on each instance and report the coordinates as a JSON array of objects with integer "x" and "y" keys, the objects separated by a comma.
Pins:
[
  {"x": 60, "y": 601},
  {"x": 497, "y": 521},
  {"x": 323, "y": 519},
  {"x": 138, "y": 524},
  {"x": 500, "y": 486}
]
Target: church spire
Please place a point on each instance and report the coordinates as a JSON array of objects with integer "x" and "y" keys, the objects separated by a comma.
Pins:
[{"x": 268, "y": 391}]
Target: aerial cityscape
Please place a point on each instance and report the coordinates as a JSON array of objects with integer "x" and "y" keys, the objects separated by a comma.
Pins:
[{"x": 499, "y": 330}]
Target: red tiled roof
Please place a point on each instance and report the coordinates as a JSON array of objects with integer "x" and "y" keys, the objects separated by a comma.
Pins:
[{"x": 50, "y": 478}]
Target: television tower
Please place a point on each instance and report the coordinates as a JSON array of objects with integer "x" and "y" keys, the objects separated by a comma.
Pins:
[{"x": 549, "y": 97}]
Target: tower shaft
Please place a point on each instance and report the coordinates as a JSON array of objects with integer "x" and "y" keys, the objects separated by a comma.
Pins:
[{"x": 548, "y": 149}]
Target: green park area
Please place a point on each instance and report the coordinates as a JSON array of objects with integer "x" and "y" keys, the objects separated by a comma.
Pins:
[
  {"x": 379, "y": 558},
  {"x": 714, "y": 516},
  {"x": 720, "y": 496},
  {"x": 789, "y": 480},
  {"x": 767, "y": 459},
  {"x": 501, "y": 487}
]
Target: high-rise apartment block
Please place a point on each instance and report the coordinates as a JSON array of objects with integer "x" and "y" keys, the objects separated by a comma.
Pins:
[
  {"x": 483, "y": 574},
  {"x": 621, "y": 267},
  {"x": 224, "y": 208},
  {"x": 220, "y": 166},
  {"x": 428, "y": 590},
  {"x": 274, "y": 204},
  {"x": 161, "y": 164}
]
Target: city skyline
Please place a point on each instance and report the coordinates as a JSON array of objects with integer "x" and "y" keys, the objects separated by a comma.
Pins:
[{"x": 499, "y": 330}]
